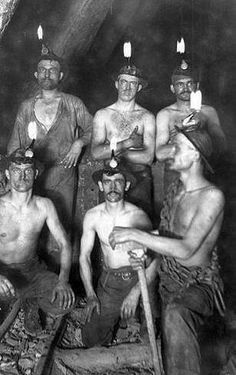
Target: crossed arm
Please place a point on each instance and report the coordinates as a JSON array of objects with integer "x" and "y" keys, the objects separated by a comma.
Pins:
[{"x": 144, "y": 142}]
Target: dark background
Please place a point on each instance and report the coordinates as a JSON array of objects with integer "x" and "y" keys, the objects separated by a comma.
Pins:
[{"x": 153, "y": 27}]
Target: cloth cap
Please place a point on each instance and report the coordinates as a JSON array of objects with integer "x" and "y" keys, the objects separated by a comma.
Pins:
[
  {"x": 184, "y": 70},
  {"x": 25, "y": 156},
  {"x": 201, "y": 140},
  {"x": 48, "y": 54},
  {"x": 133, "y": 71},
  {"x": 109, "y": 171}
]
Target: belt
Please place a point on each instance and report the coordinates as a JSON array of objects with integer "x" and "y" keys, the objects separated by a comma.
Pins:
[{"x": 124, "y": 275}]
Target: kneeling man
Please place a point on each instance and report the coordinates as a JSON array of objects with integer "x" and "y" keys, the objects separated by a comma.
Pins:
[
  {"x": 118, "y": 291},
  {"x": 190, "y": 285},
  {"x": 22, "y": 217}
]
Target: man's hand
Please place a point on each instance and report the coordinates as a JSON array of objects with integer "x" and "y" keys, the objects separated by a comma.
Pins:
[
  {"x": 137, "y": 262},
  {"x": 120, "y": 235},
  {"x": 6, "y": 287},
  {"x": 64, "y": 294},
  {"x": 92, "y": 304},
  {"x": 135, "y": 139},
  {"x": 130, "y": 304},
  {"x": 71, "y": 158}
]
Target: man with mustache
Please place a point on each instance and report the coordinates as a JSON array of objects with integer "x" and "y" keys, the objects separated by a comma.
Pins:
[
  {"x": 63, "y": 127},
  {"x": 184, "y": 80},
  {"x": 133, "y": 129},
  {"x": 118, "y": 290}
]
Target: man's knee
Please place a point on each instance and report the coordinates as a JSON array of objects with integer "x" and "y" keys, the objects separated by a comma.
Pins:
[{"x": 175, "y": 319}]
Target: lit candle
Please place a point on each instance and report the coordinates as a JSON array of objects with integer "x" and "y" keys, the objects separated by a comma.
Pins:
[
  {"x": 113, "y": 144},
  {"x": 32, "y": 132},
  {"x": 180, "y": 46},
  {"x": 127, "y": 50},
  {"x": 40, "y": 32},
  {"x": 196, "y": 100}
]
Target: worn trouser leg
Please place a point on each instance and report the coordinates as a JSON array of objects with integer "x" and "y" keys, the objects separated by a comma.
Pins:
[
  {"x": 111, "y": 292},
  {"x": 181, "y": 319}
]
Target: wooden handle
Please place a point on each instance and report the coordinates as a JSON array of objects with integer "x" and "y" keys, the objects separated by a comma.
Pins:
[{"x": 149, "y": 320}]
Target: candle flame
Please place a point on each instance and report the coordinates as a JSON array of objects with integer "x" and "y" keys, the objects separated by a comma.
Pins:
[
  {"x": 127, "y": 49},
  {"x": 40, "y": 32},
  {"x": 32, "y": 130},
  {"x": 196, "y": 100},
  {"x": 113, "y": 144},
  {"x": 180, "y": 46}
]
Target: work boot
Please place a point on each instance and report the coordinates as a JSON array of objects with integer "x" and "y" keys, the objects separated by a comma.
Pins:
[{"x": 32, "y": 321}]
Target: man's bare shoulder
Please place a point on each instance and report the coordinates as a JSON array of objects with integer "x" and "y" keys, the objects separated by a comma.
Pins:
[
  {"x": 212, "y": 195},
  {"x": 103, "y": 113},
  {"x": 208, "y": 110},
  {"x": 95, "y": 213},
  {"x": 167, "y": 111}
]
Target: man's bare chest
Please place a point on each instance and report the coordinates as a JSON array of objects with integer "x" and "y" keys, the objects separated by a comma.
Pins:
[
  {"x": 122, "y": 124},
  {"x": 46, "y": 112},
  {"x": 183, "y": 210}
]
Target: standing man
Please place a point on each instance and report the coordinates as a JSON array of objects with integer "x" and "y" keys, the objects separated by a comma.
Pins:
[
  {"x": 190, "y": 285},
  {"x": 118, "y": 290},
  {"x": 132, "y": 128},
  {"x": 22, "y": 276},
  {"x": 183, "y": 81},
  {"x": 63, "y": 126}
]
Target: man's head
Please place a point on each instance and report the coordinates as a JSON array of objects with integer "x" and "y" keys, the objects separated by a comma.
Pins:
[
  {"x": 114, "y": 182},
  {"x": 129, "y": 81},
  {"x": 21, "y": 170},
  {"x": 191, "y": 148},
  {"x": 49, "y": 70},
  {"x": 183, "y": 81}
]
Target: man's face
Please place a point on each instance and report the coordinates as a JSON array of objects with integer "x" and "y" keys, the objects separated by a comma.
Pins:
[
  {"x": 114, "y": 187},
  {"x": 185, "y": 154},
  {"x": 21, "y": 176},
  {"x": 127, "y": 87},
  {"x": 48, "y": 74},
  {"x": 183, "y": 87}
]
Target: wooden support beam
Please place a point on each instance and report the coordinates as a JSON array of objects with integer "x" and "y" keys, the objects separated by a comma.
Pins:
[
  {"x": 7, "y": 9},
  {"x": 80, "y": 26}
]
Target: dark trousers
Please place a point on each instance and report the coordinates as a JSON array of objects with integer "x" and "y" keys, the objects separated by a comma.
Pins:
[
  {"x": 182, "y": 317},
  {"x": 113, "y": 287}
]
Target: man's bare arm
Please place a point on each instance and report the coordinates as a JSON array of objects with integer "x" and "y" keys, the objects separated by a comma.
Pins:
[
  {"x": 163, "y": 149},
  {"x": 146, "y": 154},
  {"x": 215, "y": 129},
  {"x": 58, "y": 232},
  {"x": 208, "y": 216},
  {"x": 87, "y": 243}
]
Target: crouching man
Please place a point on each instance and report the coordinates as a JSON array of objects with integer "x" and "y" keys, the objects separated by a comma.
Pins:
[
  {"x": 190, "y": 284},
  {"x": 22, "y": 276},
  {"x": 117, "y": 294}
]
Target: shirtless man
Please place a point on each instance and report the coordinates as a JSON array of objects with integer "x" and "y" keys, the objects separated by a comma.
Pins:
[
  {"x": 118, "y": 291},
  {"x": 22, "y": 217},
  {"x": 190, "y": 284},
  {"x": 184, "y": 81},
  {"x": 63, "y": 127},
  {"x": 133, "y": 130}
]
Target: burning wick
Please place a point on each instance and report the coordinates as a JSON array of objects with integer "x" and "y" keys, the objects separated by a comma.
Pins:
[
  {"x": 127, "y": 51},
  {"x": 180, "y": 46},
  {"x": 40, "y": 32},
  {"x": 113, "y": 146},
  {"x": 32, "y": 133}
]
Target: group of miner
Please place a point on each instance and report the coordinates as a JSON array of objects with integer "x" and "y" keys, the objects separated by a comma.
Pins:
[{"x": 179, "y": 257}]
